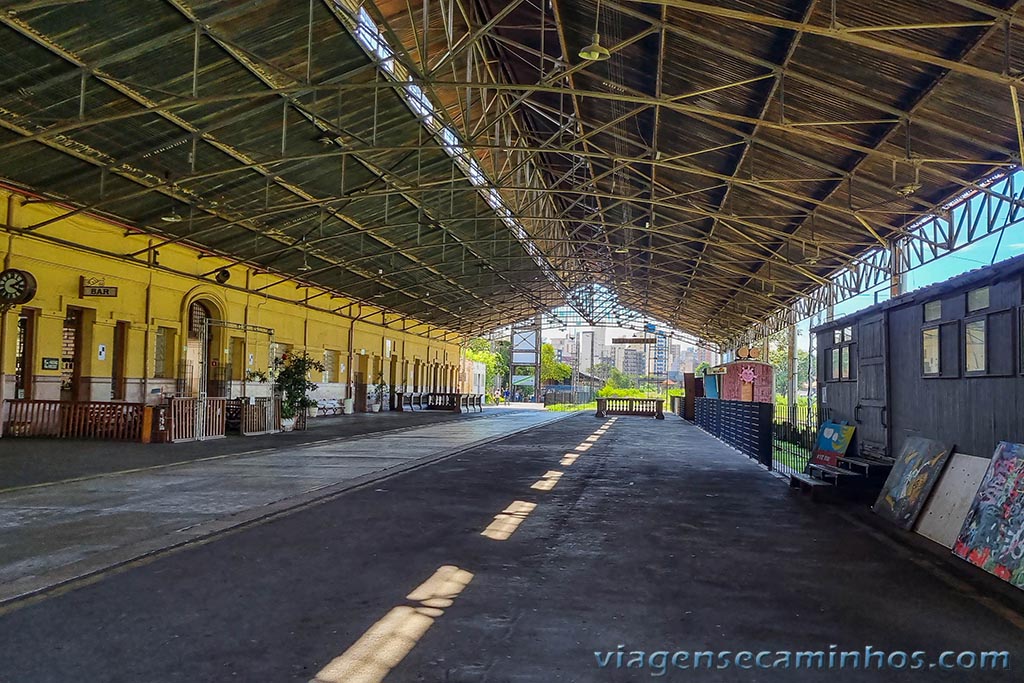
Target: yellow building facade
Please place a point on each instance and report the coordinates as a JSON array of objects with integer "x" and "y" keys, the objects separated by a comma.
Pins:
[{"x": 119, "y": 315}]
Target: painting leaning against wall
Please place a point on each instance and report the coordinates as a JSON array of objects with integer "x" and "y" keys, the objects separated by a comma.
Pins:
[
  {"x": 908, "y": 486},
  {"x": 992, "y": 536}
]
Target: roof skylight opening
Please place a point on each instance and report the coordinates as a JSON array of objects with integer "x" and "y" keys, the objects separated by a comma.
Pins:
[{"x": 476, "y": 175}]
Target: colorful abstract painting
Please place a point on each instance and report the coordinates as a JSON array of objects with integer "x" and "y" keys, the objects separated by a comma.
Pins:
[
  {"x": 992, "y": 536},
  {"x": 833, "y": 440},
  {"x": 911, "y": 481}
]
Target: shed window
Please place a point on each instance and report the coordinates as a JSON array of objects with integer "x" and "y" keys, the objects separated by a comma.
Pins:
[
  {"x": 930, "y": 356},
  {"x": 977, "y": 299},
  {"x": 330, "y": 366},
  {"x": 837, "y": 336},
  {"x": 844, "y": 362},
  {"x": 847, "y": 334},
  {"x": 933, "y": 310},
  {"x": 163, "y": 353},
  {"x": 974, "y": 346},
  {"x": 834, "y": 354}
]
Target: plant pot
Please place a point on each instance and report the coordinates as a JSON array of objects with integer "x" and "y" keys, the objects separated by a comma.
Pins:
[
  {"x": 349, "y": 406},
  {"x": 287, "y": 424},
  {"x": 374, "y": 407},
  {"x": 312, "y": 411}
]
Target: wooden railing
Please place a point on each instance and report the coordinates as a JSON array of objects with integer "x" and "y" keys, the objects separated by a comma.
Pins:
[
  {"x": 457, "y": 403},
  {"x": 111, "y": 420},
  {"x": 411, "y": 399},
  {"x": 646, "y": 407},
  {"x": 197, "y": 419},
  {"x": 258, "y": 417}
]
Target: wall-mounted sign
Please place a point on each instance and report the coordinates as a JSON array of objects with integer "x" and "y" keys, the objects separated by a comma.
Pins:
[
  {"x": 94, "y": 286},
  {"x": 721, "y": 370},
  {"x": 101, "y": 352},
  {"x": 634, "y": 340},
  {"x": 51, "y": 364}
]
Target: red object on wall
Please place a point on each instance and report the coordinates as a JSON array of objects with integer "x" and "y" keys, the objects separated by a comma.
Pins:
[{"x": 763, "y": 384}]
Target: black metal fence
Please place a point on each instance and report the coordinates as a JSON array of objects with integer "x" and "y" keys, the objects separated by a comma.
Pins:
[
  {"x": 744, "y": 425},
  {"x": 793, "y": 436},
  {"x": 562, "y": 396}
]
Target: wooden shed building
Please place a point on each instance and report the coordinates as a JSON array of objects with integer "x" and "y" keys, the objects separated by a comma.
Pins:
[{"x": 943, "y": 362}]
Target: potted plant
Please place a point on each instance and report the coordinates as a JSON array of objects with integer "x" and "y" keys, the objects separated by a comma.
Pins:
[
  {"x": 380, "y": 389},
  {"x": 291, "y": 375}
]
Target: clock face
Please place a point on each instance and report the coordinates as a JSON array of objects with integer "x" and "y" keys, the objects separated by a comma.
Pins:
[{"x": 16, "y": 286}]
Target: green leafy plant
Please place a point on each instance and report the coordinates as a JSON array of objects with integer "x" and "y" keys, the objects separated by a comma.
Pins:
[
  {"x": 256, "y": 376},
  {"x": 291, "y": 375},
  {"x": 379, "y": 390}
]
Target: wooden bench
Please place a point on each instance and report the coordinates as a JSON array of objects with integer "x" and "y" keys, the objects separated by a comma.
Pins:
[{"x": 818, "y": 488}]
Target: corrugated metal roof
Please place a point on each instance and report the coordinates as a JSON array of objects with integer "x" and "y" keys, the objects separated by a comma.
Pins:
[{"x": 682, "y": 173}]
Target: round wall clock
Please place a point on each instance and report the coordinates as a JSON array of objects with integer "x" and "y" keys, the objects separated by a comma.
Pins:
[{"x": 16, "y": 286}]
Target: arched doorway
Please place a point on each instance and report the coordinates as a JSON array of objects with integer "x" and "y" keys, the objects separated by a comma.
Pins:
[{"x": 198, "y": 350}]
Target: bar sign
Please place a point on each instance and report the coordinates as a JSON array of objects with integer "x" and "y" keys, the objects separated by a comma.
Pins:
[{"x": 95, "y": 287}]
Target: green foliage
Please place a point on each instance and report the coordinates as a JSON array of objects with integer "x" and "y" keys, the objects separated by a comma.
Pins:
[
  {"x": 778, "y": 356},
  {"x": 619, "y": 392},
  {"x": 699, "y": 370},
  {"x": 572, "y": 407},
  {"x": 602, "y": 370},
  {"x": 380, "y": 389},
  {"x": 551, "y": 369},
  {"x": 291, "y": 375},
  {"x": 618, "y": 379},
  {"x": 479, "y": 350}
]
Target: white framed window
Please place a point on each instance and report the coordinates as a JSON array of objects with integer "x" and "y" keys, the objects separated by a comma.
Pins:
[
  {"x": 930, "y": 357},
  {"x": 975, "y": 358},
  {"x": 977, "y": 299}
]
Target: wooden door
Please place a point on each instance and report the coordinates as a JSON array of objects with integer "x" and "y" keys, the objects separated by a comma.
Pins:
[{"x": 868, "y": 357}]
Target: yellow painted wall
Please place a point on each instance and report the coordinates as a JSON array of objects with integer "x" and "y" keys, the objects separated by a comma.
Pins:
[{"x": 153, "y": 295}]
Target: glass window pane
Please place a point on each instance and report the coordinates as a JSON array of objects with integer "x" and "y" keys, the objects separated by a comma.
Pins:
[
  {"x": 930, "y": 351},
  {"x": 844, "y": 362},
  {"x": 977, "y": 299},
  {"x": 932, "y": 310},
  {"x": 975, "y": 345},
  {"x": 837, "y": 336},
  {"x": 835, "y": 363},
  {"x": 847, "y": 334}
]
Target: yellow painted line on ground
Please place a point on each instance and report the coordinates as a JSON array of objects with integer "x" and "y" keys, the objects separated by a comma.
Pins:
[
  {"x": 387, "y": 642},
  {"x": 583, "y": 447},
  {"x": 548, "y": 481},
  {"x": 569, "y": 459},
  {"x": 508, "y": 520}
]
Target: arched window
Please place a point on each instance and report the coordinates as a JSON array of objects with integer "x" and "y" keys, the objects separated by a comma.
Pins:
[{"x": 198, "y": 314}]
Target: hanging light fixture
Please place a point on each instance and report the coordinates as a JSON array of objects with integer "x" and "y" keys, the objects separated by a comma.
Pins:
[
  {"x": 305, "y": 267},
  {"x": 172, "y": 217},
  {"x": 595, "y": 52}
]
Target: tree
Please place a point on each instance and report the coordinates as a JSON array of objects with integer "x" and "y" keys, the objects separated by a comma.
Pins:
[
  {"x": 480, "y": 350},
  {"x": 699, "y": 370},
  {"x": 618, "y": 380},
  {"x": 602, "y": 370},
  {"x": 551, "y": 369},
  {"x": 778, "y": 356}
]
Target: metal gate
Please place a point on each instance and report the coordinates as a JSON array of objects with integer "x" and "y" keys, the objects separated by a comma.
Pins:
[{"x": 209, "y": 413}]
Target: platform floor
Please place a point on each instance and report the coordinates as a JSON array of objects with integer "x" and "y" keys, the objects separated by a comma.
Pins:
[
  {"x": 27, "y": 462},
  {"x": 516, "y": 562}
]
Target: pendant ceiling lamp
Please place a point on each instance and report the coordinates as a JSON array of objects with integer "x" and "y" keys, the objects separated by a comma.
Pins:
[{"x": 595, "y": 52}]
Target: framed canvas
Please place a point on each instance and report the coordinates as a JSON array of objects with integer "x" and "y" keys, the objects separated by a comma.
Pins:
[{"x": 911, "y": 481}]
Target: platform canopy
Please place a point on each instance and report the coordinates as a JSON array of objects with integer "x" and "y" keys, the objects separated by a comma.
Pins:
[{"x": 462, "y": 163}]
